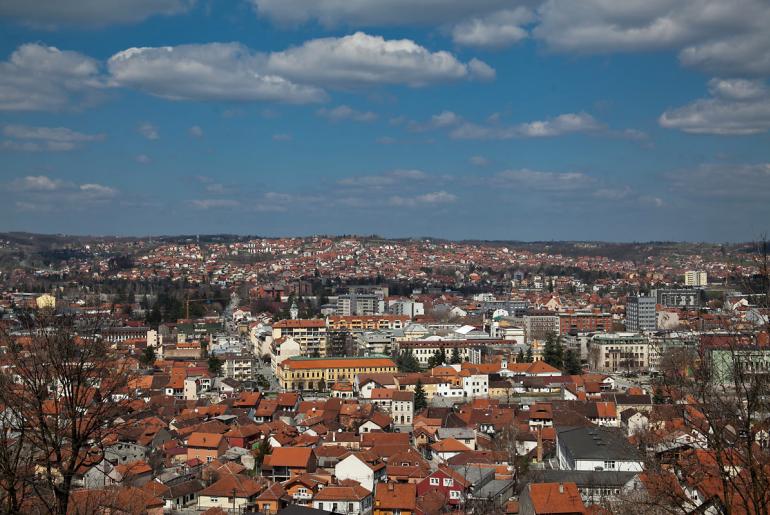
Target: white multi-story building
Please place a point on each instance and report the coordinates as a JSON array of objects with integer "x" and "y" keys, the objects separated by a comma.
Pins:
[{"x": 695, "y": 278}]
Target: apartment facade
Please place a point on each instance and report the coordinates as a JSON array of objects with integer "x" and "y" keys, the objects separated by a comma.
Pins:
[{"x": 320, "y": 373}]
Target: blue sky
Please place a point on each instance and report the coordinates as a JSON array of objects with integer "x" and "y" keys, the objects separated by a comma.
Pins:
[{"x": 494, "y": 119}]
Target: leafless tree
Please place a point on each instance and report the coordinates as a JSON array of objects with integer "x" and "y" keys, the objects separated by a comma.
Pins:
[{"x": 62, "y": 390}]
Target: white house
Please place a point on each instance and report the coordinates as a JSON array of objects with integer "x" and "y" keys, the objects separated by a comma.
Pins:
[
  {"x": 476, "y": 385},
  {"x": 353, "y": 467},
  {"x": 596, "y": 448}
]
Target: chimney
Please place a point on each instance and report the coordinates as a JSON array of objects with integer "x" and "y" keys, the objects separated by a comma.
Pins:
[
  {"x": 390, "y": 487},
  {"x": 561, "y": 488}
]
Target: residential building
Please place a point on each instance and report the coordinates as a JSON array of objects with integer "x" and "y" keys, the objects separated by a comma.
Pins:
[
  {"x": 539, "y": 324},
  {"x": 551, "y": 499},
  {"x": 310, "y": 334},
  {"x": 621, "y": 352},
  {"x": 396, "y": 499},
  {"x": 596, "y": 448},
  {"x": 695, "y": 278},
  {"x": 359, "y": 304},
  {"x": 640, "y": 313},
  {"x": 344, "y": 500}
]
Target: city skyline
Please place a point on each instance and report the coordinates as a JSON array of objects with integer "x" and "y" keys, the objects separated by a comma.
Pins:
[{"x": 529, "y": 120}]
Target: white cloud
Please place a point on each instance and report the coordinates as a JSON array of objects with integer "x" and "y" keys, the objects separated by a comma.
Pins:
[
  {"x": 97, "y": 191},
  {"x": 495, "y": 30},
  {"x": 431, "y": 199},
  {"x": 143, "y": 159},
  {"x": 36, "y": 183},
  {"x": 214, "y": 71},
  {"x": 553, "y": 182},
  {"x": 43, "y": 190},
  {"x": 88, "y": 12},
  {"x": 745, "y": 183},
  {"x": 282, "y": 137},
  {"x": 377, "y": 12},
  {"x": 563, "y": 124},
  {"x": 149, "y": 131},
  {"x": 613, "y": 193},
  {"x": 362, "y": 60},
  {"x": 392, "y": 178},
  {"x": 715, "y": 35},
  {"x": 218, "y": 203},
  {"x": 43, "y": 78},
  {"x": 441, "y": 120},
  {"x": 195, "y": 131},
  {"x": 479, "y": 160},
  {"x": 345, "y": 112},
  {"x": 28, "y": 138},
  {"x": 736, "y": 107}
]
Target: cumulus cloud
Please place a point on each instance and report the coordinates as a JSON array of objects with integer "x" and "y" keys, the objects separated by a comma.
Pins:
[
  {"x": 392, "y": 178},
  {"x": 426, "y": 199},
  {"x": 362, "y": 60},
  {"x": 282, "y": 137},
  {"x": 345, "y": 112},
  {"x": 736, "y": 107},
  {"x": 213, "y": 71},
  {"x": 495, "y": 30},
  {"x": 554, "y": 182},
  {"x": 723, "y": 181},
  {"x": 28, "y": 138},
  {"x": 218, "y": 203},
  {"x": 441, "y": 120},
  {"x": 195, "y": 131},
  {"x": 478, "y": 160},
  {"x": 563, "y": 124},
  {"x": 377, "y": 12},
  {"x": 143, "y": 159},
  {"x": 44, "y": 191},
  {"x": 42, "y": 78},
  {"x": 714, "y": 35},
  {"x": 88, "y": 12},
  {"x": 149, "y": 131}
]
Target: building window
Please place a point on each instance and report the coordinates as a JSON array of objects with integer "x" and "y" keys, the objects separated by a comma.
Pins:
[
  {"x": 434, "y": 481},
  {"x": 454, "y": 494},
  {"x": 609, "y": 465},
  {"x": 448, "y": 482}
]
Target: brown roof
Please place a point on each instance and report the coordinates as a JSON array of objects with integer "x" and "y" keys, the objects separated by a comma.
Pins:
[
  {"x": 204, "y": 440},
  {"x": 228, "y": 484},
  {"x": 342, "y": 493},
  {"x": 394, "y": 496},
  {"x": 289, "y": 457},
  {"x": 556, "y": 498}
]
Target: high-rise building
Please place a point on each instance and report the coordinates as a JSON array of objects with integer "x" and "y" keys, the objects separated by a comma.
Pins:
[
  {"x": 695, "y": 278},
  {"x": 640, "y": 313}
]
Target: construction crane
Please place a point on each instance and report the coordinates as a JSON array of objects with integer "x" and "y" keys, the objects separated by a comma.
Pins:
[{"x": 189, "y": 300}]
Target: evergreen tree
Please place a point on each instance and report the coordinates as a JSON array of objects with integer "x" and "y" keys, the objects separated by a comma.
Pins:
[
  {"x": 520, "y": 358},
  {"x": 572, "y": 363},
  {"x": 406, "y": 362},
  {"x": 148, "y": 356},
  {"x": 441, "y": 356},
  {"x": 553, "y": 352},
  {"x": 420, "y": 400},
  {"x": 455, "y": 359},
  {"x": 529, "y": 358},
  {"x": 215, "y": 365}
]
